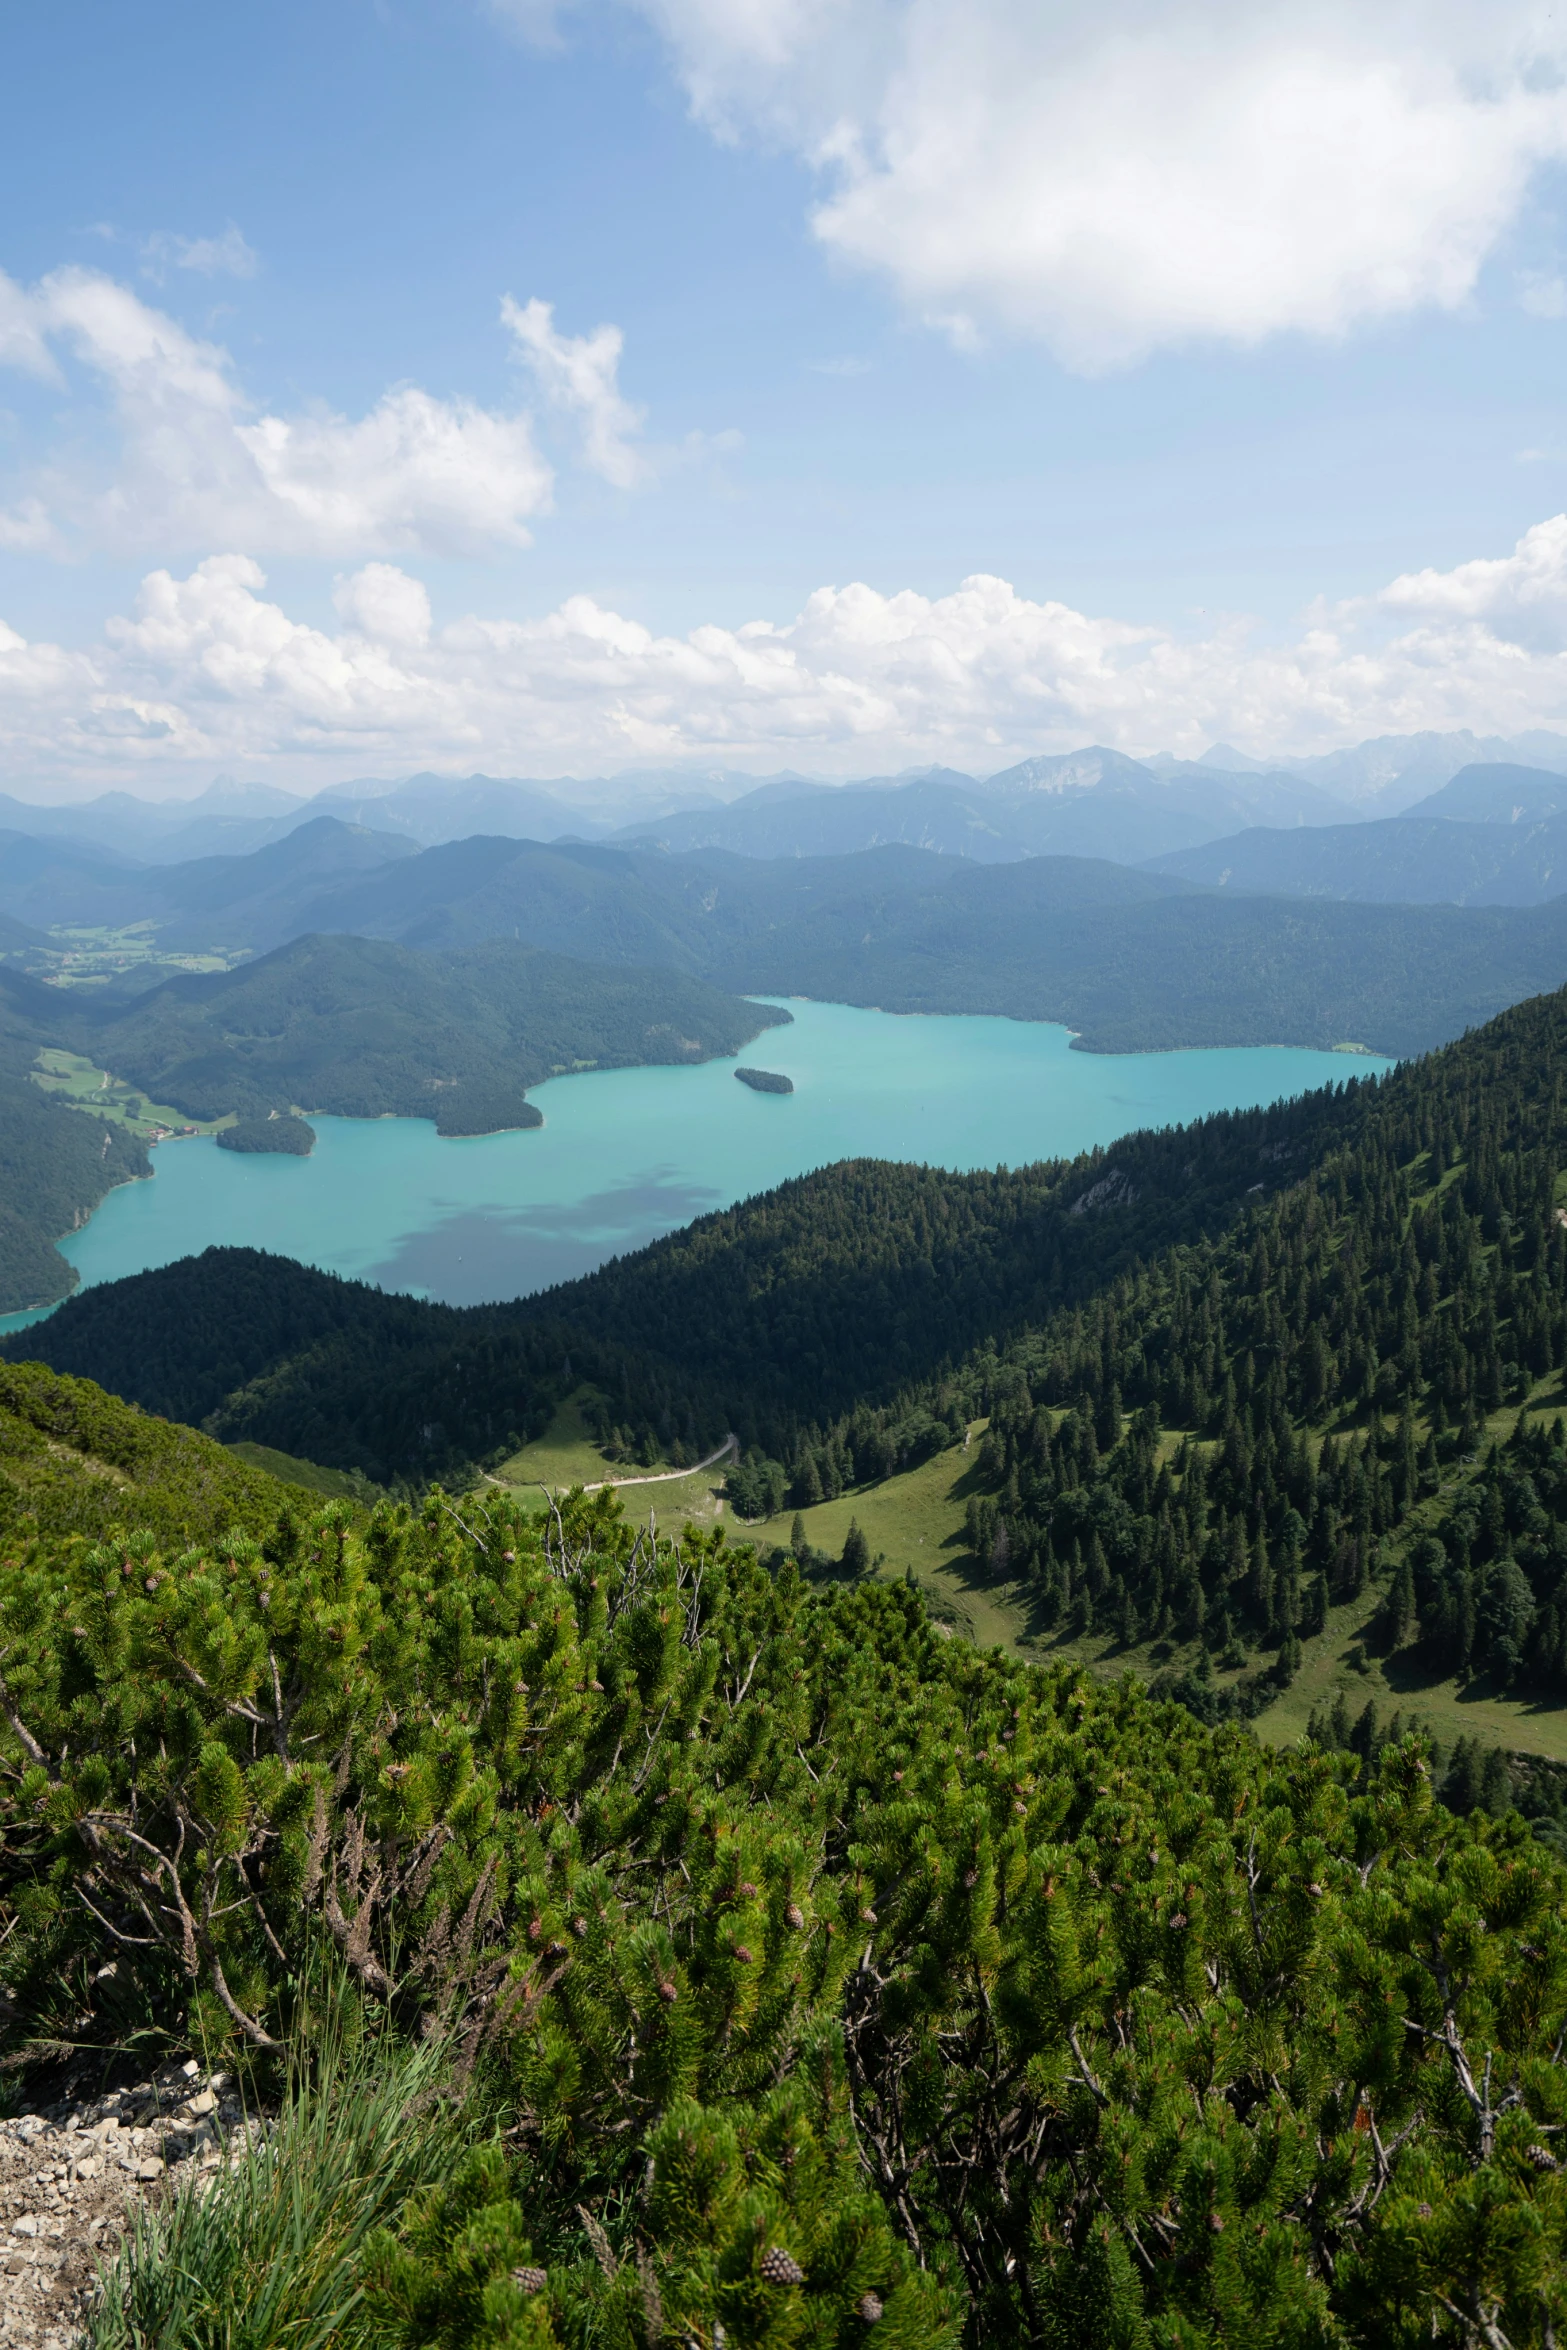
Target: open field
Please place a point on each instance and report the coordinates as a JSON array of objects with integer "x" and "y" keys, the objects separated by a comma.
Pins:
[
  {"x": 86, "y": 1087},
  {"x": 87, "y": 957}
]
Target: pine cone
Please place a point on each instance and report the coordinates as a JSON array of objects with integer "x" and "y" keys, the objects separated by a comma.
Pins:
[
  {"x": 530, "y": 2280},
  {"x": 579, "y": 1927},
  {"x": 743, "y": 1953},
  {"x": 781, "y": 2268},
  {"x": 868, "y": 2306},
  {"x": 668, "y": 1993},
  {"x": 795, "y": 1916},
  {"x": 745, "y": 1890}
]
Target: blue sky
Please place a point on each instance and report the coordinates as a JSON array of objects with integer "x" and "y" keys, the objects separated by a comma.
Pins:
[{"x": 1225, "y": 345}]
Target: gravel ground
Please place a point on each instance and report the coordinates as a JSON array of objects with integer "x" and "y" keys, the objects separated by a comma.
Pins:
[{"x": 70, "y": 2176}]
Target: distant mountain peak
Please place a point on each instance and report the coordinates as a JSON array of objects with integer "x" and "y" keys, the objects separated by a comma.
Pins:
[{"x": 1232, "y": 762}]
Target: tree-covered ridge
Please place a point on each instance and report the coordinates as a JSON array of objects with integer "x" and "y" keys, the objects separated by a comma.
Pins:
[
  {"x": 75, "y": 1461},
  {"x": 841, "y": 1977},
  {"x": 1133, "y": 961},
  {"x": 364, "y": 1029},
  {"x": 1330, "y": 1357}
]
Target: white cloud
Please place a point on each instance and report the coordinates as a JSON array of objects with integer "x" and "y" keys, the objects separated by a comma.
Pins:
[
  {"x": 1129, "y": 174},
  {"x": 199, "y": 465},
  {"x": 226, "y": 256},
  {"x": 578, "y": 374},
  {"x": 209, "y": 670},
  {"x": 384, "y": 604}
]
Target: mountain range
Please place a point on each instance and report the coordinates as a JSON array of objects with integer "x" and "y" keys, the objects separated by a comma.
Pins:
[{"x": 1223, "y": 791}]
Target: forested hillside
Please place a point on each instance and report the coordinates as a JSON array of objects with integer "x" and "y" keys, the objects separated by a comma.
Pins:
[
  {"x": 1403, "y": 860},
  {"x": 77, "y": 1462},
  {"x": 1326, "y": 1301},
  {"x": 1132, "y": 961},
  {"x": 364, "y": 1029},
  {"x": 55, "y": 1166}
]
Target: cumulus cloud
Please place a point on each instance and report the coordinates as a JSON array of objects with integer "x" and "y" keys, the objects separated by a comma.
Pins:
[
  {"x": 579, "y": 375},
  {"x": 208, "y": 668},
  {"x": 198, "y": 465},
  {"x": 1128, "y": 174}
]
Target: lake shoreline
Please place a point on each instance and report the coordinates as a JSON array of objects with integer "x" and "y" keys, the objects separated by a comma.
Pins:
[{"x": 639, "y": 1152}]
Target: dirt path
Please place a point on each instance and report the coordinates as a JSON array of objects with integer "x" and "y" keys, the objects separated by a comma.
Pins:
[{"x": 731, "y": 1444}]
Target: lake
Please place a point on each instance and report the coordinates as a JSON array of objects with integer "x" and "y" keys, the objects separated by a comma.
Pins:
[{"x": 627, "y": 1154}]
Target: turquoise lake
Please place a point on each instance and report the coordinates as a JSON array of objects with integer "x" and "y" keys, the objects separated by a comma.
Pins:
[{"x": 627, "y": 1154}]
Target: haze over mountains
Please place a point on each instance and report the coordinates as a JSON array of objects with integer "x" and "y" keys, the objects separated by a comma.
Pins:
[{"x": 1044, "y": 803}]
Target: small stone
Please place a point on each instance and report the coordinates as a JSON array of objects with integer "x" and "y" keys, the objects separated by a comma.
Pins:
[
  {"x": 203, "y": 2102},
  {"x": 25, "y": 2226},
  {"x": 150, "y": 2168}
]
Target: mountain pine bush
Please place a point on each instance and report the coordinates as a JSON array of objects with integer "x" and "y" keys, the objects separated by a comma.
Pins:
[{"x": 837, "y": 1983}]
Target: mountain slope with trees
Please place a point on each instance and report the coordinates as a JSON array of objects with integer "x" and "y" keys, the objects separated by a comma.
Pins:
[
  {"x": 1408, "y": 860},
  {"x": 1325, "y": 1300}
]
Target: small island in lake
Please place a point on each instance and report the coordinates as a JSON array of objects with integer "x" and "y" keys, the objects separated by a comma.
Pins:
[
  {"x": 285, "y": 1133},
  {"x": 765, "y": 1081}
]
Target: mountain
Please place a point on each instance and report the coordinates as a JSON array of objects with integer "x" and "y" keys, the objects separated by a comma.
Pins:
[
  {"x": 1091, "y": 804},
  {"x": 944, "y": 812},
  {"x": 428, "y": 809},
  {"x": 250, "y": 900},
  {"x": 243, "y": 900},
  {"x": 1133, "y": 960},
  {"x": 1407, "y": 860},
  {"x": 1394, "y": 772},
  {"x": 18, "y": 938},
  {"x": 226, "y": 819},
  {"x": 1500, "y": 793},
  {"x": 45, "y": 879}
]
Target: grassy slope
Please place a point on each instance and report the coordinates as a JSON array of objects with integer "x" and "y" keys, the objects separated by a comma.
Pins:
[
  {"x": 328, "y": 1484},
  {"x": 916, "y": 1521},
  {"x": 566, "y": 1455}
]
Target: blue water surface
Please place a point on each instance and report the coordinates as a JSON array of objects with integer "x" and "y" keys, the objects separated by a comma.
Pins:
[{"x": 627, "y": 1154}]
